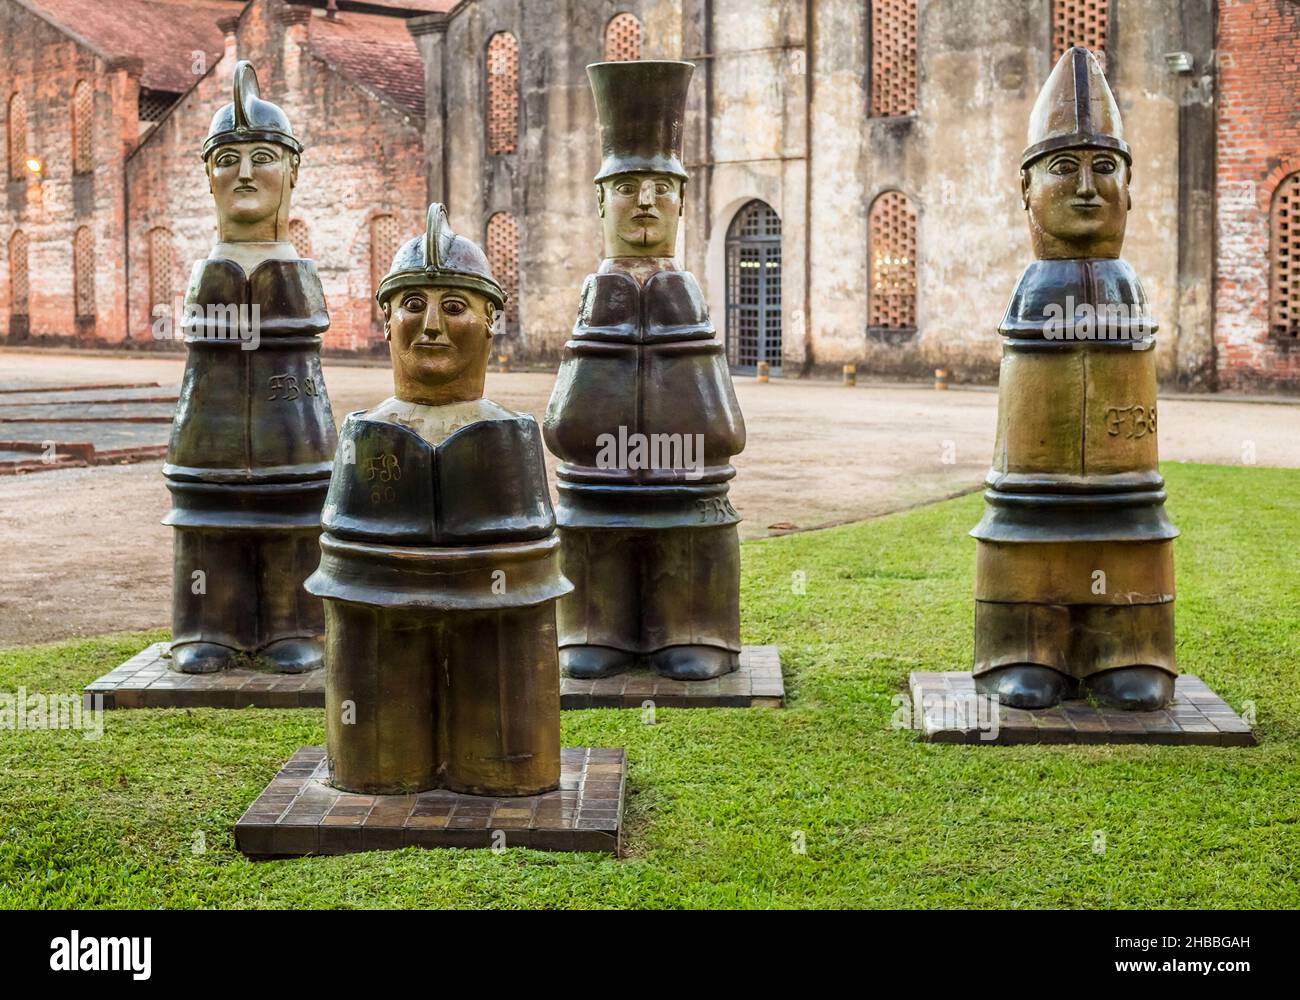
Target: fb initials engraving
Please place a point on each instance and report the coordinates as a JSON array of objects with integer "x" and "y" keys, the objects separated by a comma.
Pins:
[
  {"x": 284, "y": 386},
  {"x": 1133, "y": 421},
  {"x": 716, "y": 510}
]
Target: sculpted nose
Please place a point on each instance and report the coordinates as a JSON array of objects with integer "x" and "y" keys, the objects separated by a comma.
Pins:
[
  {"x": 646, "y": 196},
  {"x": 1087, "y": 186}
]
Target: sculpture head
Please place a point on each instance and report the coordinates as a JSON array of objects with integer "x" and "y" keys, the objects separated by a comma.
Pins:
[
  {"x": 1075, "y": 173},
  {"x": 640, "y": 213},
  {"x": 641, "y": 184},
  {"x": 440, "y": 304},
  {"x": 251, "y": 158}
]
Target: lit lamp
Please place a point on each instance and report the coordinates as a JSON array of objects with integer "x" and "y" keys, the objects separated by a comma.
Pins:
[{"x": 35, "y": 166}]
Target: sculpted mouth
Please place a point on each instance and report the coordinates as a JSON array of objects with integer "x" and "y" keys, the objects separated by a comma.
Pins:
[{"x": 246, "y": 189}]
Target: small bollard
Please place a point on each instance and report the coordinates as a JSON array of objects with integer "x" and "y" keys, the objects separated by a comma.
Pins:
[
  {"x": 763, "y": 369},
  {"x": 850, "y": 374},
  {"x": 941, "y": 378},
  {"x": 503, "y": 362}
]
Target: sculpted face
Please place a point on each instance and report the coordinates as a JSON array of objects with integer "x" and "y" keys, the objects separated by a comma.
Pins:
[
  {"x": 640, "y": 213},
  {"x": 439, "y": 340},
  {"x": 251, "y": 183},
  {"x": 1078, "y": 202}
]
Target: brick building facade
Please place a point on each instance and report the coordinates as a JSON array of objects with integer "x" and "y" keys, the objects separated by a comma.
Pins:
[
  {"x": 1257, "y": 291},
  {"x": 853, "y": 193},
  {"x": 93, "y": 254}
]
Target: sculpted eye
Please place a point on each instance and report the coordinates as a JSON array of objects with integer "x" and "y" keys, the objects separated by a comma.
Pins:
[
  {"x": 1105, "y": 165},
  {"x": 661, "y": 188},
  {"x": 627, "y": 187},
  {"x": 1065, "y": 165},
  {"x": 454, "y": 307},
  {"x": 413, "y": 303},
  {"x": 227, "y": 160},
  {"x": 262, "y": 156}
]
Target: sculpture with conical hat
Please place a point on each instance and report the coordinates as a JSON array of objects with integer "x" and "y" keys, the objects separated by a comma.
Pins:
[
  {"x": 643, "y": 416},
  {"x": 1074, "y": 570},
  {"x": 439, "y": 566},
  {"x": 250, "y": 453}
]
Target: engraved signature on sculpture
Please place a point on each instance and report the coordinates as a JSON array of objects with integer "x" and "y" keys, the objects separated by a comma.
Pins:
[
  {"x": 1135, "y": 421},
  {"x": 381, "y": 469},
  {"x": 715, "y": 509},
  {"x": 284, "y": 386}
]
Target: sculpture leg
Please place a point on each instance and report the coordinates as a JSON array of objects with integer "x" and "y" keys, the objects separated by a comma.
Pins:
[
  {"x": 599, "y": 623},
  {"x": 214, "y": 576},
  {"x": 1022, "y": 653},
  {"x": 1129, "y": 652},
  {"x": 379, "y": 699},
  {"x": 690, "y": 603},
  {"x": 291, "y": 621},
  {"x": 499, "y": 701}
]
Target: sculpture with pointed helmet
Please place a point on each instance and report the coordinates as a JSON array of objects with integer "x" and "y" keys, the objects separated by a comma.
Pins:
[
  {"x": 251, "y": 156},
  {"x": 253, "y": 436},
  {"x": 649, "y": 536},
  {"x": 1074, "y": 571},
  {"x": 439, "y": 566}
]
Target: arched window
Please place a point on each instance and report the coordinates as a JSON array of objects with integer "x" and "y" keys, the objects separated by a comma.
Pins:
[
  {"x": 1284, "y": 241},
  {"x": 503, "y": 257},
  {"x": 622, "y": 38},
  {"x": 83, "y": 129},
  {"x": 891, "y": 289},
  {"x": 502, "y": 94},
  {"x": 162, "y": 265},
  {"x": 300, "y": 237},
  {"x": 19, "y": 283},
  {"x": 754, "y": 287},
  {"x": 384, "y": 241},
  {"x": 17, "y": 131},
  {"x": 893, "y": 57},
  {"x": 1080, "y": 22},
  {"x": 83, "y": 272}
]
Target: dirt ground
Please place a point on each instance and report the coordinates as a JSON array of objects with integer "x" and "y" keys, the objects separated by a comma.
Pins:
[{"x": 82, "y": 551}]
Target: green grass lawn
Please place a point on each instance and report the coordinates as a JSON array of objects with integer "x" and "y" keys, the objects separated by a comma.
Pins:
[{"x": 716, "y": 797}]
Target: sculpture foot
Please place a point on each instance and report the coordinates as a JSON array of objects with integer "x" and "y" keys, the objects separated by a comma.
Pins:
[
  {"x": 1135, "y": 689},
  {"x": 694, "y": 663},
  {"x": 202, "y": 657},
  {"x": 294, "y": 656},
  {"x": 590, "y": 662},
  {"x": 1024, "y": 685}
]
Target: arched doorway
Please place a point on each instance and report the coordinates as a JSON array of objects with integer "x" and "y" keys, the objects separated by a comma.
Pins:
[{"x": 754, "y": 288}]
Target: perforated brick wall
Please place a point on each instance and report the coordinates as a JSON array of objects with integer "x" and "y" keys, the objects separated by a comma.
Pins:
[
  {"x": 622, "y": 38},
  {"x": 502, "y": 245},
  {"x": 893, "y": 57},
  {"x": 502, "y": 94},
  {"x": 892, "y": 293}
]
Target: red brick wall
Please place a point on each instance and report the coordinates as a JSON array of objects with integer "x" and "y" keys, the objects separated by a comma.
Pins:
[
  {"x": 363, "y": 159},
  {"x": 1259, "y": 144},
  {"x": 46, "y": 65}
]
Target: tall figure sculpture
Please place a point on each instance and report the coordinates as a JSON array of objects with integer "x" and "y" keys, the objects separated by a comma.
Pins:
[
  {"x": 1074, "y": 573},
  {"x": 439, "y": 565},
  {"x": 644, "y": 417},
  {"x": 249, "y": 459}
]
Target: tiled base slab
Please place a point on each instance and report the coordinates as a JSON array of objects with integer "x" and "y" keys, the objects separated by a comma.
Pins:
[
  {"x": 948, "y": 711},
  {"x": 757, "y": 683},
  {"x": 147, "y": 681},
  {"x": 299, "y": 813}
]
